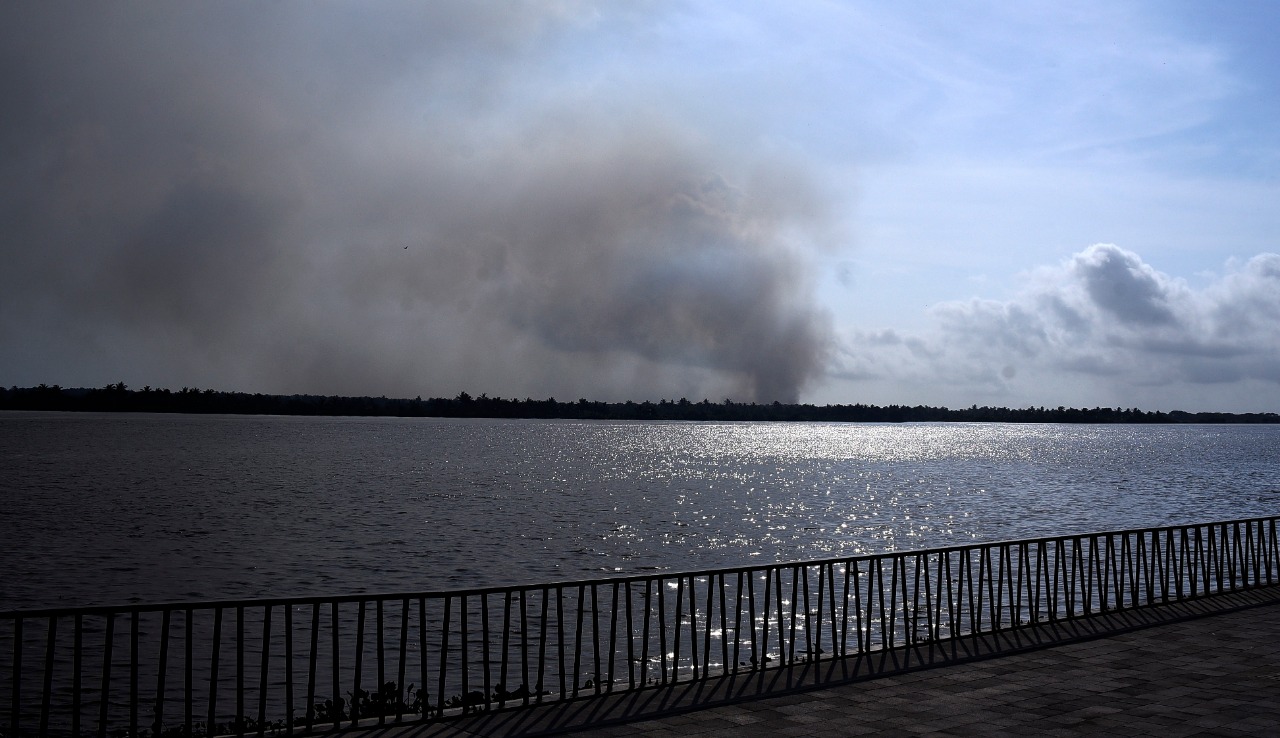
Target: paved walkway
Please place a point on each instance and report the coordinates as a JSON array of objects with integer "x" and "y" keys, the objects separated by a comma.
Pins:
[{"x": 1204, "y": 668}]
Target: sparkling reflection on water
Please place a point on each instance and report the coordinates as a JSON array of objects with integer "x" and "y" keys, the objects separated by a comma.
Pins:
[{"x": 147, "y": 508}]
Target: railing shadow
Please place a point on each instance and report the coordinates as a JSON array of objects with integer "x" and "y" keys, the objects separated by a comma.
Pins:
[{"x": 671, "y": 700}]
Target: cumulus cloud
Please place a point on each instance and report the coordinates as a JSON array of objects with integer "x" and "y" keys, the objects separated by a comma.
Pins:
[
  {"x": 1097, "y": 325},
  {"x": 353, "y": 199},
  {"x": 1120, "y": 285}
]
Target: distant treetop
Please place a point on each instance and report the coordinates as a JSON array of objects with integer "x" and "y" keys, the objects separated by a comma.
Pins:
[{"x": 119, "y": 398}]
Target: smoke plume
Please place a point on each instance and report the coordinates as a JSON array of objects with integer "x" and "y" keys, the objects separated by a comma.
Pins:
[{"x": 387, "y": 199}]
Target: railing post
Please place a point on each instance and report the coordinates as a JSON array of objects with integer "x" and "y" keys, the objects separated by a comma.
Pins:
[
  {"x": 158, "y": 724},
  {"x": 613, "y": 630},
  {"x": 1117, "y": 570},
  {"x": 1199, "y": 565},
  {"x": 1238, "y": 565},
  {"x": 831, "y": 600},
  {"x": 1183, "y": 570},
  {"x": 707, "y": 626},
  {"x": 1131, "y": 564},
  {"x": 443, "y": 678},
  {"x": 946, "y": 582},
  {"x": 240, "y": 636},
  {"x": 886, "y": 637},
  {"x": 401, "y": 689},
  {"x": 51, "y": 639},
  {"x": 76, "y": 655},
  {"x": 1058, "y": 564},
  {"x": 335, "y": 663},
  {"x": 423, "y": 670},
  {"x": 1273, "y": 552},
  {"x": 560, "y": 662},
  {"x": 751, "y": 617},
  {"x": 796, "y": 576},
  {"x": 1251, "y": 553},
  {"x": 852, "y": 575},
  {"x": 895, "y": 564},
  {"x": 288, "y": 667},
  {"x": 644, "y": 637},
  {"x": 506, "y": 648},
  {"x": 998, "y": 578},
  {"x": 985, "y": 576},
  {"x": 764, "y": 626},
  {"x": 631, "y": 650},
  {"x": 133, "y": 672},
  {"x": 1215, "y": 562},
  {"x": 675, "y": 662},
  {"x": 312, "y": 658},
  {"x": 1158, "y": 587},
  {"x": 1024, "y": 564},
  {"x": 1031, "y": 580},
  {"x": 816, "y": 648},
  {"x": 724, "y": 626},
  {"x": 922, "y": 562},
  {"x": 580, "y": 612},
  {"x": 357, "y": 697},
  {"x": 382, "y": 672},
  {"x": 464, "y": 648},
  {"x": 1042, "y": 576},
  {"x": 214, "y": 661},
  {"x": 15, "y": 704},
  {"x": 693, "y": 625},
  {"x": 844, "y": 612},
  {"x": 262, "y": 676},
  {"x": 188, "y": 723},
  {"x": 595, "y": 637},
  {"x": 783, "y": 656}
]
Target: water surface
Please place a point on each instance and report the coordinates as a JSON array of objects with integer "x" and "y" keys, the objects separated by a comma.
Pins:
[{"x": 120, "y": 508}]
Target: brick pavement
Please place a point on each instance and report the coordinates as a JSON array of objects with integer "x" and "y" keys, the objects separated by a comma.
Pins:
[{"x": 1210, "y": 667}]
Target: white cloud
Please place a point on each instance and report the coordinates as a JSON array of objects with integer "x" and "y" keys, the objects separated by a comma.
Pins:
[{"x": 1102, "y": 327}]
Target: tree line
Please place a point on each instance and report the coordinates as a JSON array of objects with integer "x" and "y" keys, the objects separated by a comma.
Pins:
[{"x": 120, "y": 398}]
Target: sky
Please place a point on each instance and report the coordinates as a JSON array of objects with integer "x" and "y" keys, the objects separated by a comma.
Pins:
[{"x": 943, "y": 203}]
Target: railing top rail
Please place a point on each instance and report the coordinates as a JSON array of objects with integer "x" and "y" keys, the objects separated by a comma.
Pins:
[{"x": 125, "y": 609}]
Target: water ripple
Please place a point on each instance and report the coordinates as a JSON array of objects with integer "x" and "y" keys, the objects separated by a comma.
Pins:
[{"x": 108, "y": 508}]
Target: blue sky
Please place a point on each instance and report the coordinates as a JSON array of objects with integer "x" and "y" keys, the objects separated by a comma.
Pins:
[{"x": 941, "y": 203}]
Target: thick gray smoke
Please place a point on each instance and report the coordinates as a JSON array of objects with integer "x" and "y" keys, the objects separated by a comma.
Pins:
[{"x": 387, "y": 199}]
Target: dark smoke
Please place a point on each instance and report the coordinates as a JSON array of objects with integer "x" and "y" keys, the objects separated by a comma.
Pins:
[{"x": 345, "y": 199}]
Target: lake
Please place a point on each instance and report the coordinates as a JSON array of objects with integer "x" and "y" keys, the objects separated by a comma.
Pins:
[{"x": 100, "y": 509}]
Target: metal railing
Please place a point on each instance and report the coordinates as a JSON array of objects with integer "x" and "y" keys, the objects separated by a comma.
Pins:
[{"x": 311, "y": 663}]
